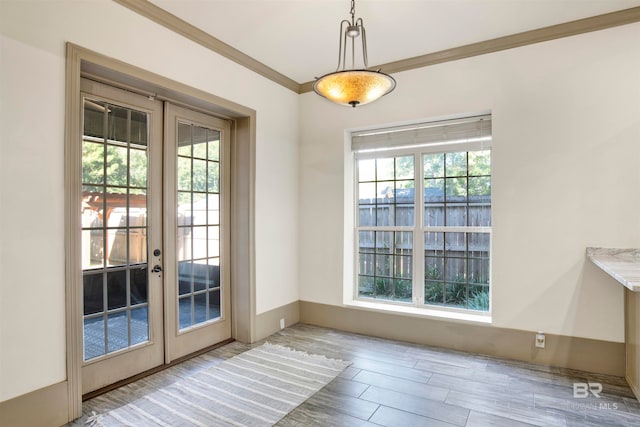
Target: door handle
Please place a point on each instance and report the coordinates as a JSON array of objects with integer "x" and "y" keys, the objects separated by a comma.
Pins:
[{"x": 156, "y": 269}]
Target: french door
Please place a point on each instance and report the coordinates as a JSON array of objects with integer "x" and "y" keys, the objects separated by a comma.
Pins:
[
  {"x": 197, "y": 233},
  {"x": 154, "y": 236}
]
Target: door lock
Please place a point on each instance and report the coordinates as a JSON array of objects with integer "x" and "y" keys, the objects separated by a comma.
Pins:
[{"x": 156, "y": 269}]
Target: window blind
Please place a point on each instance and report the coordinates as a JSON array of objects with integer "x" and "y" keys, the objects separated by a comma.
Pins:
[{"x": 469, "y": 129}]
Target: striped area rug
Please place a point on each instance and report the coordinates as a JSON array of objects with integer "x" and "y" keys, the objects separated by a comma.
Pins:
[{"x": 255, "y": 388}]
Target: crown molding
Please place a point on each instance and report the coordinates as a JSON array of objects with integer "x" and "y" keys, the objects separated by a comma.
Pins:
[
  {"x": 195, "y": 34},
  {"x": 572, "y": 28}
]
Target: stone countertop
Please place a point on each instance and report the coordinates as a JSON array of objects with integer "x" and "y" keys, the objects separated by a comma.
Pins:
[{"x": 621, "y": 264}]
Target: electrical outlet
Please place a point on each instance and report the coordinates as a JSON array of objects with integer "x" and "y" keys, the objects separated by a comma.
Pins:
[
  {"x": 540, "y": 340},
  {"x": 282, "y": 323}
]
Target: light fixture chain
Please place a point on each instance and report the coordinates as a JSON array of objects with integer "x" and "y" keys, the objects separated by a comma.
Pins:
[{"x": 353, "y": 12}]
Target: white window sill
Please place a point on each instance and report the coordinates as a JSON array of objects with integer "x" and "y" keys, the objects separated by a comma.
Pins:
[{"x": 440, "y": 314}]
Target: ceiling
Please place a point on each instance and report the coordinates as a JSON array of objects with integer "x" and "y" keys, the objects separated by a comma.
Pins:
[{"x": 299, "y": 38}]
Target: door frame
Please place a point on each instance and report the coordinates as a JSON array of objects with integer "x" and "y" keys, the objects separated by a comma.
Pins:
[{"x": 81, "y": 62}]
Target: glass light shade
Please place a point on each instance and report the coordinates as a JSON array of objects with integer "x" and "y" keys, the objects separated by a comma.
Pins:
[{"x": 354, "y": 87}]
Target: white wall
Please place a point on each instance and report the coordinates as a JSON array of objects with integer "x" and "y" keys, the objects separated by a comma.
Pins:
[
  {"x": 566, "y": 156},
  {"x": 32, "y": 297}
]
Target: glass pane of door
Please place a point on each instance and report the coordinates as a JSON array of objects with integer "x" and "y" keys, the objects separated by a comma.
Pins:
[
  {"x": 198, "y": 224},
  {"x": 114, "y": 228}
]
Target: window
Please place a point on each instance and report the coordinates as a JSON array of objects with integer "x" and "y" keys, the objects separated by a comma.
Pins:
[{"x": 439, "y": 253}]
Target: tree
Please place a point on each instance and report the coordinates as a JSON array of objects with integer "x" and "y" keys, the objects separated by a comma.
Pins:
[{"x": 117, "y": 159}]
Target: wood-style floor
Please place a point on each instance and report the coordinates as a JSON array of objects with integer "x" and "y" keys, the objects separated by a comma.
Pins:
[{"x": 393, "y": 383}]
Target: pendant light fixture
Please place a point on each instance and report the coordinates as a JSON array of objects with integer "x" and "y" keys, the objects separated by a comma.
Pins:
[{"x": 353, "y": 86}]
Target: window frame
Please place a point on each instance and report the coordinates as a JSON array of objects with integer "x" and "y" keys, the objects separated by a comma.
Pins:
[{"x": 417, "y": 304}]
